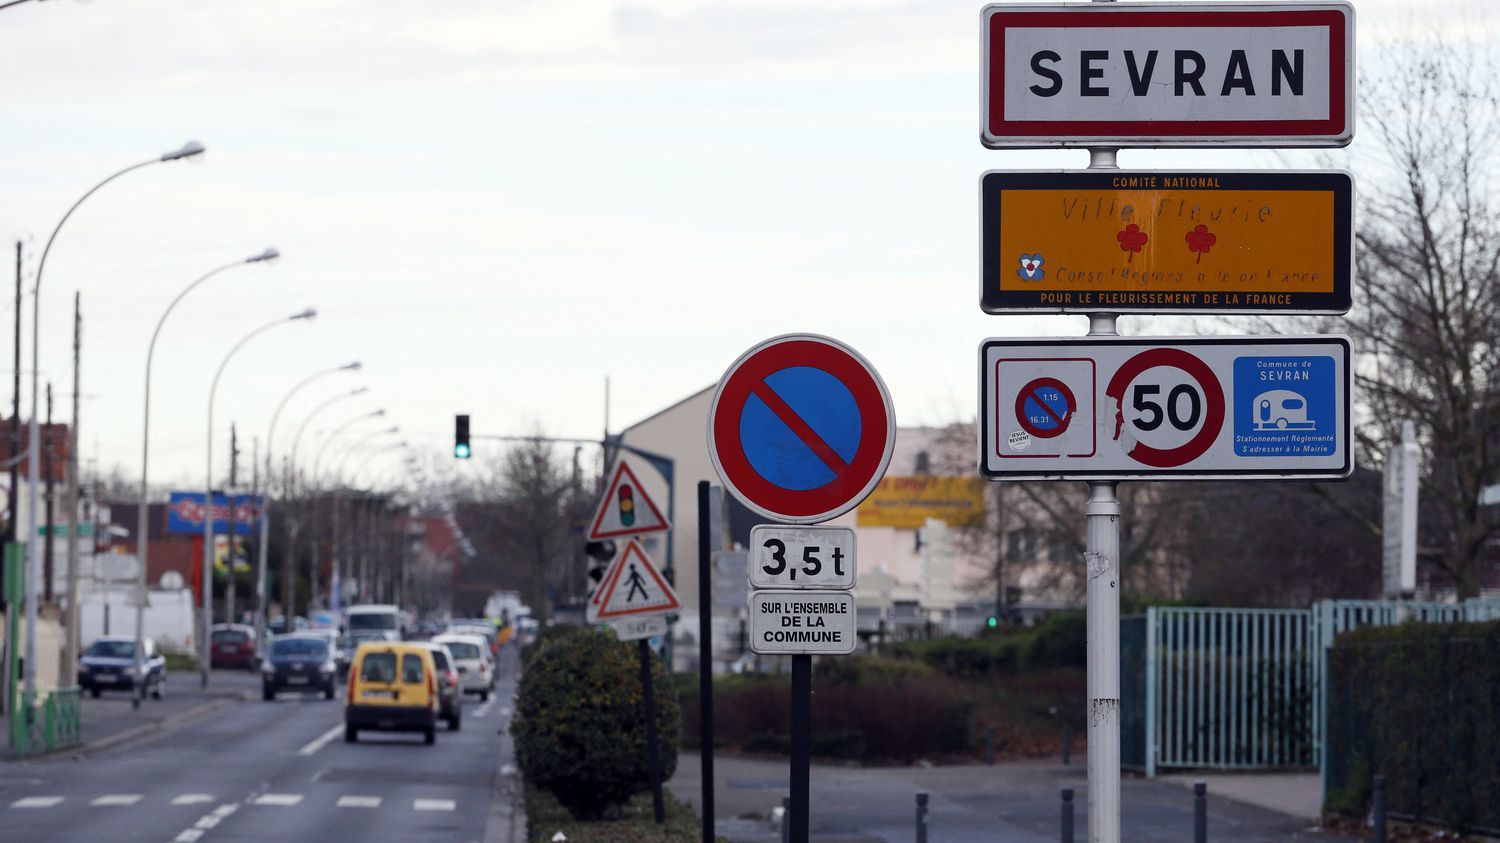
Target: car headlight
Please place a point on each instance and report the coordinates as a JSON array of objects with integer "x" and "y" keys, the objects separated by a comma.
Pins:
[{"x": 267, "y": 667}]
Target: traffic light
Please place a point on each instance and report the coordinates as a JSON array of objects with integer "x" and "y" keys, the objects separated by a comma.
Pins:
[
  {"x": 992, "y": 622},
  {"x": 627, "y": 505},
  {"x": 461, "y": 437}
]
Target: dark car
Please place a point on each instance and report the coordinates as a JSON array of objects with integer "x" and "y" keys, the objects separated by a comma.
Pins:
[
  {"x": 298, "y": 662},
  {"x": 232, "y": 645},
  {"x": 109, "y": 665},
  {"x": 450, "y": 691}
]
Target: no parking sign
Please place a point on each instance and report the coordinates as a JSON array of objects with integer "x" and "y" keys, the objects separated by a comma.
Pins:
[{"x": 801, "y": 428}]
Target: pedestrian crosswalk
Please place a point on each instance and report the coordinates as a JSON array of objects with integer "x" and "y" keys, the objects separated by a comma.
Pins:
[{"x": 263, "y": 800}]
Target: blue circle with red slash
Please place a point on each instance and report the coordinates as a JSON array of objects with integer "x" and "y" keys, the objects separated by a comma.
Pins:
[
  {"x": 801, "y": 428},
  {"x": 1044, "y": 407}
]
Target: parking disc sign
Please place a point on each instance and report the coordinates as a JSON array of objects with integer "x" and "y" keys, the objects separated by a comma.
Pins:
[{"x": 801, "y": 428}]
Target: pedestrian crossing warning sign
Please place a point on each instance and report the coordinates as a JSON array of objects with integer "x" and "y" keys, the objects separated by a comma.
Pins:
[
  {"x": 625, "y": 509},
  {"x": 634, "y": 587}
]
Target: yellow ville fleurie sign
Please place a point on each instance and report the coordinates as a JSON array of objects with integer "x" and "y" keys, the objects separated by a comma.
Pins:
[
  {"x": 1167, "y": 241},
  {"x": 907, "y": 502}
]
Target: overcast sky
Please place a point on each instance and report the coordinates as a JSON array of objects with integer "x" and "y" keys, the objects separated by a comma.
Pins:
[{"x": 496, "y": 203}]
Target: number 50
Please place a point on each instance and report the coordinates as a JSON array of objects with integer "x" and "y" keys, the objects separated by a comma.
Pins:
[{"x": 1143, "y": 398}]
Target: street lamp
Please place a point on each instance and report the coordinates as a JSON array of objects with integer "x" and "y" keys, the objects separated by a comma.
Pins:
[
  {"x": 317, "y": 460},
  {"x": 288, "y": 584},
  {"x": 208, "y": 488},
  {"x": 263, "y": 550},
  {"x": 340, "y": 556},
  {"x": 142, "y": 521},
  {"x": 33, "y": 431}
]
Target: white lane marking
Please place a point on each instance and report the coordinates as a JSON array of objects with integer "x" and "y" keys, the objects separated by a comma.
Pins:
[
  {"x": 483, "y": 709},
  {"x": 191, "y": 799},
  {"x": 433, "y": 805},
  {"x": 225, "y": 810},
  {"x": 321, "y": 740},
  {"x": 206, "y": 822},
  {"x": 116, "y": 799},
  {"x": 36, "y": 802},
  {"x": 508, "y": 770},
  {"x": 504, "y": 712},
  {"x": 359, "y": 802},
  {"x": 190, "y": 835},
  {"x": 279, "y": 800}
]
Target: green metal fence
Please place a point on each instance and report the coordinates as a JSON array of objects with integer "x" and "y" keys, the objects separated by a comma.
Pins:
[
  {"x": 1244, "y": 688},
  {"x": 46, "y": 721}
]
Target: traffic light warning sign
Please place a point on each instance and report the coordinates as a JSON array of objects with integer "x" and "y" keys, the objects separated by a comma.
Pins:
[{"x": 625, "y": 509}]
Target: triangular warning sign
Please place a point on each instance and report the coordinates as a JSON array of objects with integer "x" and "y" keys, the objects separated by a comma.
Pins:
[
  {"x": 625, "y": 509},
  {"x": 636, "y": 588}
]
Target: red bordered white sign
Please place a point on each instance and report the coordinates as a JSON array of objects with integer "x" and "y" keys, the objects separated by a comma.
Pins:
[{"x": 1167, "y": 74}]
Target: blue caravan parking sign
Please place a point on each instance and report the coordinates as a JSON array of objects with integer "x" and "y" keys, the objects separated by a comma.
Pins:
[{"x": 1285, "y": 406}]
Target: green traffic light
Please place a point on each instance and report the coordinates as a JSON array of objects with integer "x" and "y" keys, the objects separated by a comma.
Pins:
[
  {"x": 992, "y": 622},
  {"x": 461, "y": 451}
]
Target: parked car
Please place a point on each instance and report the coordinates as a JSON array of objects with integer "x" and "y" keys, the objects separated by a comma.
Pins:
[
  {"x": 471, "y": 653},
  {"x": 392, "y": 687},
  {"x": 232, "y": 645},
  {"x": 450, "y": 690},
  {"x": 349, "y": 644},
  {"x": 298, "y": 662},
  {"x": 109, "y": 665}
]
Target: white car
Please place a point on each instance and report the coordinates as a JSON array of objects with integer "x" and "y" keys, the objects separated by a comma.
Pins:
[{"x": 471, "y": 653}]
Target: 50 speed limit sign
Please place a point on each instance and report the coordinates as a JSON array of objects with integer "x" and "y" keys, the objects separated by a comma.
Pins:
[{"x": 1164, "y": 408}]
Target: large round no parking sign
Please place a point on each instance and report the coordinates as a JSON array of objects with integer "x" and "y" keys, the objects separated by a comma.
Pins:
[{"x": 801, "y": 428}]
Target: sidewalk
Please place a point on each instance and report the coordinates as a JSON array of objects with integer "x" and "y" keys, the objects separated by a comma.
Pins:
[
  {"x": 110, "y": 720},
  {"x": 1008, "y": 803}
]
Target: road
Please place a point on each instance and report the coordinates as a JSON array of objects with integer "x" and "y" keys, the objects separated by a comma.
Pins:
[{"x": 257, "y": 771}]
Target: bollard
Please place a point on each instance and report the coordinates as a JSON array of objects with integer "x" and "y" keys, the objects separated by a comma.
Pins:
[
  {"x": 1067, "y": 815},
  {"x": 786, "y": 819},
  {"x": 1377, "y": 811},
  {"x": 1200, "y": 812},
  {"x": 921, "y": 816},
  {"x": 989, "y": 746},
  {"x": 1067, "y": 744}
]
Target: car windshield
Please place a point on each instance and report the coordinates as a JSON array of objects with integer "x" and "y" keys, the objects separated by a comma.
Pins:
[
  {"x": 311, "y": 647},
  {"x": 378, "y": 667},
  {"x": 112, "y": 649},
  {"x": 463, "y": 649},
  {"x": 411, "y": 668},
  {"x": 230, "y": 636},
  {"x": 440, "y": 660},
  {"x": 372, "y": 620}
]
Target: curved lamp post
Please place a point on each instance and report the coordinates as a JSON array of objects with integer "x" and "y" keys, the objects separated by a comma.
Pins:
[
  {"x": 317, "y": 460},
  {"x": 33, "y": 430},
  {"x": 338, "y": 480},
  {"x": 143, "y": 521},
  {"x": 263, "y": 550},
  {"x": 208, "y": 491}
]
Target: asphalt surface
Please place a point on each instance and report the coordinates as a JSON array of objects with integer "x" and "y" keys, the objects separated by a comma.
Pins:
[{"x": 250, "y": 770}]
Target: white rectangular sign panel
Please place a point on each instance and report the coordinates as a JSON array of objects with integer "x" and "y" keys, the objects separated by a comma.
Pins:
[
  {"x": 1106, "y": 408},
  {"x": 793, "y": 623},
  {"x": 1403, "y": 464},
  {"x": 801, "y": 557},
  {"x": 647, "y": 626},
  {"x": 1168, "y": 74}
]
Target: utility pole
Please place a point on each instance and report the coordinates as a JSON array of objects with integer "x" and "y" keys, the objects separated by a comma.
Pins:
[
  {"x": 257, "y": 498},
  {"x": 15, "y": 416},
  {"x": 231, "y": 531},
  {"x": 48, "y": 568},
  {"x": 70, "y": 636}
]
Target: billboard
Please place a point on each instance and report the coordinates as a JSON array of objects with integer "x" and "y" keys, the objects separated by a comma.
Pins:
[
  {"x": 907, "y": 502},
  {"x": 185, "y": 513}
]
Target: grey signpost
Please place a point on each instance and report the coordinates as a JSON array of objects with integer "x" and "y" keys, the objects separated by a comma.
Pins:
[{"x": 1109, "y": 75}]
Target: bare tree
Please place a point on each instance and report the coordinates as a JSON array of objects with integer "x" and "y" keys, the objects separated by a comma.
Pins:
[{"x": 1427, "y": 314}]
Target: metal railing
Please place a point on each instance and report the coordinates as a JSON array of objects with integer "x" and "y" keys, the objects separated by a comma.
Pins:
[{"x": 46, "y": 724}]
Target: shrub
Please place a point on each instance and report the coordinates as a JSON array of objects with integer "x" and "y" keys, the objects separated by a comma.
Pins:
[
  {"x": 871, "y": 670},
  {"x": 580, "y": 727},
  {"x": 1059, "y": 641},
  {"x": 1419, "y": 703},
  {"x": 546, "y": 635}
]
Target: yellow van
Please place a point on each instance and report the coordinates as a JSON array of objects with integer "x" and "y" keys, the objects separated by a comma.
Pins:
[{"x": 392, "y": 688}]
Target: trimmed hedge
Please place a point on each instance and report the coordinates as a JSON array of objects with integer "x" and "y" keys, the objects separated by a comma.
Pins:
[
  {"x": 580, "y": 725},
  {"x": 1419, "y": 703},
  {"x": 1059, "y": 641}
]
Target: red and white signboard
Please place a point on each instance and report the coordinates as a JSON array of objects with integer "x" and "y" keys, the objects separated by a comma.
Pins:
[
  {"x": 801, "y": 428},
  {"x": 632, "y": 587},
  {"x": 1168, "y": 74},
  {"x": 625, "y": 509},
  {"x": 1108, "y": 408}
]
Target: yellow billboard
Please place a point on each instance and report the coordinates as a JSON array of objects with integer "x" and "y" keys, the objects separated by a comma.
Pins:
[
  {"x": 1242, "y": 241},
  {"x": 907, "y": 502}
]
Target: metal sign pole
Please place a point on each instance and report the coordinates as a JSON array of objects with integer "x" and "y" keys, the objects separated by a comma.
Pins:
[
  {"x": 1102, "y": 567},
  {"x": 653, "y": 754},
  {"x": 801, "y": 750},
  {"x": 705, "y": 662}
]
